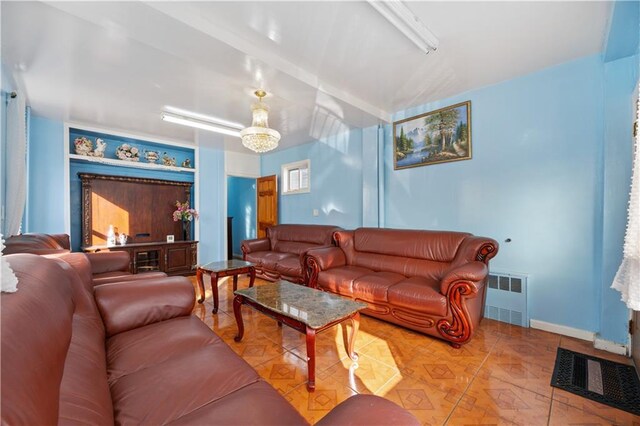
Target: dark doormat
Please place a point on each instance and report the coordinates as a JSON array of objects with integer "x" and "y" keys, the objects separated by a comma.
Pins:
[{"x": 601, "y": 380}]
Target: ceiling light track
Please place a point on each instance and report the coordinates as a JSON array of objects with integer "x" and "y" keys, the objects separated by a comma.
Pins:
[
  {"x": 401, "y": 17},
  {"x": 210, "y": 125}
]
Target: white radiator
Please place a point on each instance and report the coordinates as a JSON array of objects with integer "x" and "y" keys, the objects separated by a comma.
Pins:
[{"x": 507, "y": 298}]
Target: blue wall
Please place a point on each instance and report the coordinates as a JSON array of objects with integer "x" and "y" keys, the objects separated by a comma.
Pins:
[
  {"x": 621, "y": 68},
  {"x": 212, "y": 217},
  {"x": 45, "y": 200},
  {"x": 535, "y": 177},
  {"x": 336, "y": 181},
  {"x": 6, "y": 86},
  {"x": 241, "y": 205}
]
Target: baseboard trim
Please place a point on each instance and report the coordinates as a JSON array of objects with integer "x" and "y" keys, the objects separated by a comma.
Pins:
[
  {"x": 613, "y": 347},
  {"x": 563, "y": 329}
]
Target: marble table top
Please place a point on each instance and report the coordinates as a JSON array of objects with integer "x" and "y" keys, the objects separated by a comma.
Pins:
[
  {"x": 225, "y": 265},
  {"x": 312, "y": 307}
]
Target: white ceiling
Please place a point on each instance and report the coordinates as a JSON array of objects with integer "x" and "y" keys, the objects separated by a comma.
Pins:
[{"x": 329, "y": 66}]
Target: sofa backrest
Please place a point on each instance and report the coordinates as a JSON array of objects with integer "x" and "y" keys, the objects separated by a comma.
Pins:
[
  {"x": 36, "y": 243},
  {"x": 74, "y": 364},
  {"x": 407, "y": 252},
  {"x": 298, "y": 239}
]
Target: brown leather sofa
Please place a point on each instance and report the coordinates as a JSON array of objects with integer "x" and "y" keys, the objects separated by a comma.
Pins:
[
  {"x": 106, "y": 267},
  {"x": 281, "y": 254},
  {"x": 429, "y": 281},
  {"x": 130, "y": 353}
]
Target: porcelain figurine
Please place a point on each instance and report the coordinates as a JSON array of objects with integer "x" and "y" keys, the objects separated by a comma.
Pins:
[
  {"x": 83, "y": 146},
  {"x": 101, "y": 146},
  {"x": 168, "y": 161},
  {"x": 151, "y": 156},
  {"x": 186, "y": 163}
]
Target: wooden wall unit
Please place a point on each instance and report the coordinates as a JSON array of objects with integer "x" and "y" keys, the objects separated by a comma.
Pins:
[
  {"x": 142, "y": 209},
  {"x": 138, "y": 207}
]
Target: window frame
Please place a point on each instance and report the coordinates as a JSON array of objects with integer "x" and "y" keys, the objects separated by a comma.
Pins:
[{"x": 285, "y": 171}]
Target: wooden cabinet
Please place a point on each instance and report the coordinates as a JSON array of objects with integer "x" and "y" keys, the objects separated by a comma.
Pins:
[{"x": 179, "y": 258}]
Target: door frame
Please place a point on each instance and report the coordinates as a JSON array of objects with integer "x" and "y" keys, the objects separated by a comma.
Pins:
[{"x": 226, "y": 201}]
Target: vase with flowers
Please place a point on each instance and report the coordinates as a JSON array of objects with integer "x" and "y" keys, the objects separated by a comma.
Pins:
[{"x": 186, "y": 215}]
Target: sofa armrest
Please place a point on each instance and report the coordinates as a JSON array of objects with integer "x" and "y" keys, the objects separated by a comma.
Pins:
[
  {"x": 473, "y": 272},
  {"x": 108, "y": 261},
  {"x": 321, "y": 259},
  {"x": 251, "y": 246},
  {"x": 133, "y": 304}
]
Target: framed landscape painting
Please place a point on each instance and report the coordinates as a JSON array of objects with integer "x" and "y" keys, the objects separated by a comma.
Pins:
[{"x": 435, "y": 137}]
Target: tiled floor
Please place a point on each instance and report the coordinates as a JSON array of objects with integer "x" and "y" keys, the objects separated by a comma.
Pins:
[{"x": 501, "y": 377}]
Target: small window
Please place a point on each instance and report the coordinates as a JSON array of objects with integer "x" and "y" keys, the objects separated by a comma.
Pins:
[{"x": 296, "y": 177}]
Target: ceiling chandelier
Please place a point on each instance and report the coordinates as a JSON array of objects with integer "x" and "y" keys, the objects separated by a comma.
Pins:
[{"x": 259, "y": 137}]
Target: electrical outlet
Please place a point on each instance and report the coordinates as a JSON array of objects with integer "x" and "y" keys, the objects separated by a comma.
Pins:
[{"x": 316, "y": 212}]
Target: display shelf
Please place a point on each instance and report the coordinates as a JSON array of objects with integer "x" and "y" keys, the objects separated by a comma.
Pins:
[{"x": 135, "y": 164}]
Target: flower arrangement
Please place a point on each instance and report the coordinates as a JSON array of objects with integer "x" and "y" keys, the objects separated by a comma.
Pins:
[
  {"x": 83, "y": 145},
  {"x": 128, "y": 152},
  {"x": 184, "y": 213}
]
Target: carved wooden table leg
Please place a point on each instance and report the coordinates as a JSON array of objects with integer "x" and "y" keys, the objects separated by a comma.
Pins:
[
  {"x": 237, "y": 304},
  {"x": 252, "y": 276},
  {"x": 214, "y": 290},
  {"x": 355, "y": 325},
  {"x": 235, "y": 282},
  {"x": 199, "y": 274},
  {"x": 311, "y": 359}
]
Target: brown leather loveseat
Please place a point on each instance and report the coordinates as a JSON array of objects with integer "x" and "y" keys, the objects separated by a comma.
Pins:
[
  {"x": 129, "y": 354},
  {"x": 428, "y": 281},
  {"x": 281, "y": 254},
  {"x": 106, "y": 267}
]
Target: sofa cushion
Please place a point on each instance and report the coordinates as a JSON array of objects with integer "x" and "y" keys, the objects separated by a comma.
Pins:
[
  {"x": 146, "y": 346},
  {"x": 267, "y": 408},
  {"x": 289, "y": 266},
  {"x": 267, "y": 259},
  {"x": 340, "y": 280},
  {"x": 429, "y": 245},
  {"x": 163, "y": 392},
  {"x": 121, "y": 276},
  {"x": 294, "y": 247},
  {"x": 319, "y": 235},
  {"x": 419, "y": 294},
  {"x": 373, "y": 287}
]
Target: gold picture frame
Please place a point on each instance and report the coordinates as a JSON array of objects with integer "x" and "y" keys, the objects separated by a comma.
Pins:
[{"x": 439, "y": 136}]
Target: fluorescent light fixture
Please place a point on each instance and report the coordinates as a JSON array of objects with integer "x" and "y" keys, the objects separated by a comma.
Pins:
[
  {"x": 409, "y": 24},
  {"x": 199, "y": 124}
]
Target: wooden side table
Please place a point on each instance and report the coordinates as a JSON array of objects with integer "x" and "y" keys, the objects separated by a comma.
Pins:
[{"x": 225, "y": 268}]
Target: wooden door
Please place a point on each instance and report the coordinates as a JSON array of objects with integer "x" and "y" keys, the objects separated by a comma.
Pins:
[
  {"x": 267, "y": 193},
  {"x": 635, "y": 340}
]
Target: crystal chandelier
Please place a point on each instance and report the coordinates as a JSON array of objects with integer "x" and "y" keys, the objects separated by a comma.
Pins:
[{"x": 259, "y": 137}]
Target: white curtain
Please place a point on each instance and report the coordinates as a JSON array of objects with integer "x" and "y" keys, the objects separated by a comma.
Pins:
[
  {"x": 15, "y": 165},
  {"x": 627, "y": 280}
]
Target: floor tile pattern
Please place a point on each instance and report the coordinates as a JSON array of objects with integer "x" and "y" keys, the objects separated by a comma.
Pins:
[{"x": 501, "y": 377}]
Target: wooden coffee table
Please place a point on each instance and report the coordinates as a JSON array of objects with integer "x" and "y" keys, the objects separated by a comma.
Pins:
[
  {"x": 305, "y": 309},
  {"x": 225, "y": 268}
]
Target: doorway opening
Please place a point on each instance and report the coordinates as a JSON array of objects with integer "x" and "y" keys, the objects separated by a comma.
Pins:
[{"x": 241, "y": 213}]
